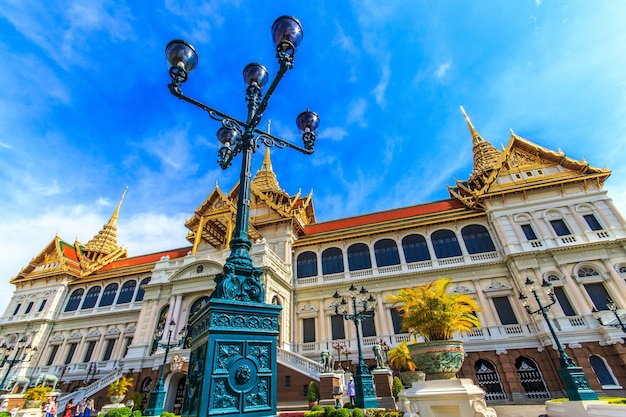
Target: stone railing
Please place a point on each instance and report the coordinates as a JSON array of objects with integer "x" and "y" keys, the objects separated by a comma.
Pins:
[
  {"x": 89, "y": 390},
  {"x": 305, "y": 365}
]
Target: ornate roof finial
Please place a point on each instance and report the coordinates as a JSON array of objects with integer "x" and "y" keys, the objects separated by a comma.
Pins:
[
  {"x": 105, "y": 242},
  {"x": 485, "y": 154},
  {"x": 265, "y": 178},
  {"x": 475, "y": 135}
]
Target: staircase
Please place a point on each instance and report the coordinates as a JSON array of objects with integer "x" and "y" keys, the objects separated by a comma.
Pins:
[
  {"x": 89, "y": 390},
  {"x": 299, "y": 363}
]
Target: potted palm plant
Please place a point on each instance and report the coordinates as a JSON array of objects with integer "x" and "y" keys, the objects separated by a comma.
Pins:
[
  {"x": 435, "y": 315},
  {"x": 400, "y": 358},
  {"x": 118, "y": 389}
]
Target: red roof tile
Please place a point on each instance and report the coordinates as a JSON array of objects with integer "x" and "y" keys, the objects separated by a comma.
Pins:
[
  {"x": 383, "y": 216},
  {"x": 146, "y": 259}
]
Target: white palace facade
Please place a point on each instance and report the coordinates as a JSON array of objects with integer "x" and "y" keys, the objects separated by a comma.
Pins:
[{"x": 87, "y": 313}]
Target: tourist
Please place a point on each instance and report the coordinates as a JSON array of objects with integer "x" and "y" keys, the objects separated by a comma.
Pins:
[
  {"x": 351, "y": 391},
  {"x": 69, "y": 409}
]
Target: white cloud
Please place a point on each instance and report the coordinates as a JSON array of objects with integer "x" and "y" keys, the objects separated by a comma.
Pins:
[
  {"x": 356, "y": 112},
  {"x": 442, "y": 70},
  {"x": 20, "y": 240},
  {"x": 381, "y": 89},
  {"x": 333, "y": 133}
]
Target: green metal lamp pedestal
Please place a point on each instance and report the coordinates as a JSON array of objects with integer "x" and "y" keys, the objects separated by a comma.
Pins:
[{"x": 232, "y": 370}]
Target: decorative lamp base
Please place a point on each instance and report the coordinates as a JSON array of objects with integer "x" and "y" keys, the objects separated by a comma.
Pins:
[{"x": 232, "y": 370}]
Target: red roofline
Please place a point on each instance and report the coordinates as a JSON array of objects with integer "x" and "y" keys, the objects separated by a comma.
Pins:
[
  {"x": 383, "y": 216},
  {"x": 146, "y": 259}
]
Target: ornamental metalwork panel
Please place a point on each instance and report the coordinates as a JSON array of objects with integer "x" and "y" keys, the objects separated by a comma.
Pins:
[
  {"x": 530, "y": 376},
  {"x": 194, "y": 384},
  {"x": 489, "y": 380}
]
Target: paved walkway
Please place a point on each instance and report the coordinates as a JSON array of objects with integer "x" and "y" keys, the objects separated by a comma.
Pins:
[{"x": 532, "y": 410}]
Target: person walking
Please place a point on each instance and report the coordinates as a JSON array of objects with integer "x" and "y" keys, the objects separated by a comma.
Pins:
[
  {"x": 82, "y": 405},
  {"x": 69, "y": 409},
  {"x": 351, "y": 391},
  {"x": 89, "y": 408}
]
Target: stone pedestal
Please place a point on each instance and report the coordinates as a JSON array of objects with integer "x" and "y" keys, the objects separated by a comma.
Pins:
[
  {"x": 444, "y": 398},
  {"x": 584, "y": 408},
  {"x": 383, "y": 380},
  {"x": 330, "y": 386},
  {"x": 29, "y": 412}
]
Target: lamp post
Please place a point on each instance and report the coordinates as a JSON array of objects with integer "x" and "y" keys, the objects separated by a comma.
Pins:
[
  {"x": 19, "y": 348},
  {"x": 237, "y": 326},
  {"x": 613, "y": 307},
  {"x": 363, "y": 379},
  {"x": 157, "y": 396},
  {"x": 576, "y": 384},
  {"x": 92, "y": 370}
]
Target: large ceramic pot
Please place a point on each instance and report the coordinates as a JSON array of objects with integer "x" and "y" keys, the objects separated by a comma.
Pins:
[
  {"x": 409, "y": 377},
  {"x": 116, "y": 399},
  {"x": 438, "y": 359}
]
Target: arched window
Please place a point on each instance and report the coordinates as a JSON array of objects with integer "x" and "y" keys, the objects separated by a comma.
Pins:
[
  {"x": 445, "y": 244},
  {"x": 332, "y": 261},
  {"x": 415, "y": 248},
  {"x": 530, "y": 376},
  {"x": 489, "y": 380},
  {"x": 359, "y": 257},
  {"x": 91, "y": 298},
  {"x": 386, "y": 252},
  {"x": 477, "y": 239},
  {"x": 140, "y": 291},
  {"x": 108, "y": 295},
  {"x": 587, "y": 271},
  {"x": 74, "y": 300},
  {"x": 159, "y": 325},
  {"x": 126, "y": 292},
  {"x": 602, "y": 371},
  {"x": 306, "y": 265},
  {"x": 197, "y": 305}
]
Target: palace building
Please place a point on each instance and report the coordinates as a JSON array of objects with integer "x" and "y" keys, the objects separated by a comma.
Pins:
[{"x": 87, "y": 313}]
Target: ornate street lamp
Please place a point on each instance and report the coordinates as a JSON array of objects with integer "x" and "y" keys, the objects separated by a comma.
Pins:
[
  {"x": 363, "y": 379},
  {"x": 232, "y": 368},
  {"x": 18, "y": 347},
  {"x": 92, "y": 370},
  {"x": 157, "y": 396},
  {"x": 576, "y": 384},
  {"x": 613, "y": 307}
]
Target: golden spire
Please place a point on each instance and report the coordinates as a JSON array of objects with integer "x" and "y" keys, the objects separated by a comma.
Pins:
[
  {"x": 265, "y": 178},
  {"x": 485, "y": 154},
  {"x": 105, "y": 242},
  {"x": 475, "y": 135}
]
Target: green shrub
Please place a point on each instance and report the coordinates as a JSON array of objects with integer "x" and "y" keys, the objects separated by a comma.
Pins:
[
  {"x": 340, "y": 412},
  {"x": 349, "y": 406},
  {"x": 357, "y": 412},
  {"x": 328, "y": 410},
  {"x": 396, "y": 387},
  {"x": 167, "y": 414},
  {"x": 316, "y": 413},
  {"x": 317, "y": 408},
  {"x": 313, "y": 393},
  {"x": 5, "y": 414},
  {"x": 119, "y": 412},
  {"x": 137, "y": 413}
]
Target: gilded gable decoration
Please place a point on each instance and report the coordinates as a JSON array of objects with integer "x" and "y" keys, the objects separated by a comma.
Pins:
[
  {"x": 213, "y": 223},
  {"x": 521, "y": 166}
]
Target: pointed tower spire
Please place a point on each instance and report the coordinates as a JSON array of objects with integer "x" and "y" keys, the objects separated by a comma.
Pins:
[
  {"x": 485, "y": 154},
  {"x": 105, "y": 242},
  {"x": 476, "y": 138},
  {"x": 265, "y": 178}
]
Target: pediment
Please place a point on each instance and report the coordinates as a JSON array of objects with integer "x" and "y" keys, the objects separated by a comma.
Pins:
[{"x": 196, "y": 270}]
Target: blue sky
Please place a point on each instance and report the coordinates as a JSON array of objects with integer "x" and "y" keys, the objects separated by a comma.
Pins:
[{"x": 85, "y": 111}]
